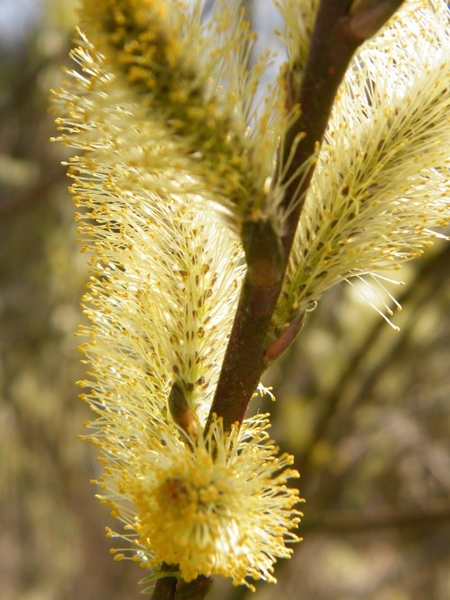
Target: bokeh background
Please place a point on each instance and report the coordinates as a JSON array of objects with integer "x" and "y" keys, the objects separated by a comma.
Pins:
[{"x": 364, "y": 409}]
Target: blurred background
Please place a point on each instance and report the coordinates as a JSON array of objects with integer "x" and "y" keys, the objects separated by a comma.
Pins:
[{"x": 364, "y": 409}]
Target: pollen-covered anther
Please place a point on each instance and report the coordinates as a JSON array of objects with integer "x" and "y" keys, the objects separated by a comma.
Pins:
[{"x": 225, "y": 501}]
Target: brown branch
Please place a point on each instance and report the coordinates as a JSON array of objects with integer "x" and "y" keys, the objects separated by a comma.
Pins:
[
  {"x": 338, "y": 31},
  {"x": 194, "y": 590},
  {"x": 244, "y": 359},
  {"x": 332, "y": 47},
  {"x": 171, "y": 588},
  {"x": 165, "y": 589},
  {"x": 329, "y": 56},
  {"x": 166, "y": 586}
]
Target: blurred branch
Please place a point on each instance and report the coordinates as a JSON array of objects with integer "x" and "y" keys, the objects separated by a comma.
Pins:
[
  {"x": 29, "y": 197},
  {"x": 333, "y": 521},
  {"x": 423, "y": 556},
  {"x": 429, "y": 279}
]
